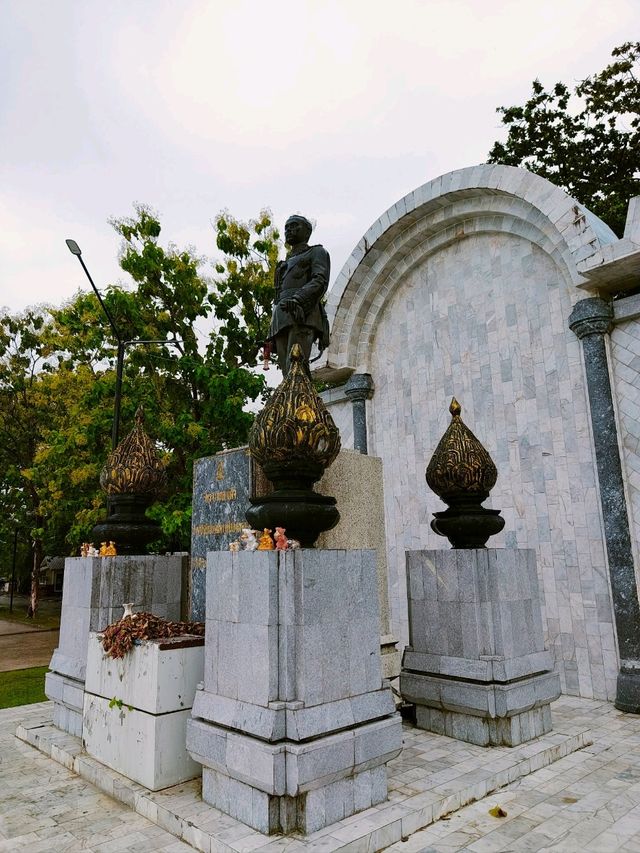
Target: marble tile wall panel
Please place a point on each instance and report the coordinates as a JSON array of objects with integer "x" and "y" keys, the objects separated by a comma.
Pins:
[{"x": 485, "y": 319}]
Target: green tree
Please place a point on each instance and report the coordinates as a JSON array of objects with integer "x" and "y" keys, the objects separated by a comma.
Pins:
[
  {"x": 25, "y": 410},
  {"x": 194, "y": 385},
  {"x": 585, "y": 140}
]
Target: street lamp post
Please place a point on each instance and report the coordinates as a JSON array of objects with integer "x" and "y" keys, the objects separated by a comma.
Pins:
[
  {"x": 75, "y": 250},
  {"x": 122, "y": 344}
]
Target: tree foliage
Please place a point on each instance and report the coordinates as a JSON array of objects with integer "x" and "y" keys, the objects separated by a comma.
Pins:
[
  {"x": 585, "y": 140},
  {"x": 193, "y": 329}
]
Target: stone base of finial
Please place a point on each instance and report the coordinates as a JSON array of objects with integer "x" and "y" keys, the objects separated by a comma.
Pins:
[
  {"x": 469, "y": 526},
  {"x": 304, "y": 514},
  {"x": 476, "y": 667},
  {"x": 293, "y": 724},
  {"x": 127, "y": 525}
]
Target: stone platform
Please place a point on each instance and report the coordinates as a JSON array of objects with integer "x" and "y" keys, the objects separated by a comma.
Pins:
[
  {"x": 95, "y": 590},
  {"x": 433, "y": 776},
  {"x": 476, "y": 666},
  {"x": 293, "y": 724}
]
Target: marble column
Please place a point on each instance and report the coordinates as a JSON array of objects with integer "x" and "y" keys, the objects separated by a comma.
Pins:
[
  {"x": 359, "y": 389},
  {"x": 591, "y": 319}
]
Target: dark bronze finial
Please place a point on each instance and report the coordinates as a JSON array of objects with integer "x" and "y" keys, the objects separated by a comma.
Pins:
[
  {"x": 294, "y": 439},
  {"x": 134, "y": 467},
  {"x": 462, "y": 474},
  {"x": 133, "y": 477}
]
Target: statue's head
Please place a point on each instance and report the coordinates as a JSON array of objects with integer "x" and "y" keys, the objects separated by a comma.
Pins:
[{"x": 297, "y": 230}]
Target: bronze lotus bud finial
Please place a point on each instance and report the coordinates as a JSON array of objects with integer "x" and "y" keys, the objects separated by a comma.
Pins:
[
  {"x": 133, "y": 477},
  {"x": 462, "y": 474},
  {"x": 134, "y": 467},
  {"x": 294, "y": 440},
  {"x": 294, "y": 433}
]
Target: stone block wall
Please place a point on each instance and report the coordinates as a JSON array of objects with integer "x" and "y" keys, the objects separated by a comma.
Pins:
[
  {"x": 465, "y": 287},
  {"x": 485, "y": 320}
]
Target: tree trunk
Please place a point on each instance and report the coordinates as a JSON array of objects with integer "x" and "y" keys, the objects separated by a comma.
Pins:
[{"x": 35, "y": 577}]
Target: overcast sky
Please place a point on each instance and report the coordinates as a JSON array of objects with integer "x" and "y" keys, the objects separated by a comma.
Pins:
[{"x": 334, "y": 108}]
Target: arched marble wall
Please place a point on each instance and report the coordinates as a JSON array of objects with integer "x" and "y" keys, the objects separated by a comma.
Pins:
[{"x": 464, "y": 287}]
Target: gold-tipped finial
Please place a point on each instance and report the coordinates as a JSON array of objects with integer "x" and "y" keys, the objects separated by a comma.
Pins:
[
  {"x": 294, "y": 439},
  {"x": 462, "y": 474},
  {"x": 460, "y": 464},
  {"x": 294, "y": 431},
  {"x": 134, "y": 467}
]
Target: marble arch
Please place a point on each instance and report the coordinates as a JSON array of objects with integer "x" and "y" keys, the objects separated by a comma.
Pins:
[
  {"x": 467, "y": 286},
  {"x": 479, "y": 199}
]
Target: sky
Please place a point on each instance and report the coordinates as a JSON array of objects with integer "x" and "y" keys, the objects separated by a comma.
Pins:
[{"x": 331, "y": 108}]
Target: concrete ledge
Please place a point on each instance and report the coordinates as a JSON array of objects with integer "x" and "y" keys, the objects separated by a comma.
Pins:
[{"x": 180, "y": 810}]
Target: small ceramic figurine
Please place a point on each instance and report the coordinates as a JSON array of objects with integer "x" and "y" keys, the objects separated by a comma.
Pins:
[
  {"x": 128, "y": 609},
  {"x": 248, "y": 539},
  {"x": 282, "y": 543},
  {"x": 266, "y": 542},
  {"x": 293, "y": 544},
  {"x": 234, "y": 547},
  {"x": 92, "y": 551},
  {"x": 84, "y": 549},
  {"x": 110, "y": 550},
  {"x": 103, "y": 549}
]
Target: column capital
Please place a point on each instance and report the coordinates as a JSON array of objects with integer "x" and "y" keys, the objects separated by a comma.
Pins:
[
  {"x": 359, "y": 386},
  {"x": 591, "y": 316}
]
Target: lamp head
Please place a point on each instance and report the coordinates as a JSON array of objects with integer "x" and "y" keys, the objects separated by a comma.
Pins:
[{"x": 73, "y": 247}]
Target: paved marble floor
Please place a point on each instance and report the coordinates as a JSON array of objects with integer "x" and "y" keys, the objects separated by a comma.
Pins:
[
  {"x": 589, "y": 800},
  {"x": 45, "y": 808}
]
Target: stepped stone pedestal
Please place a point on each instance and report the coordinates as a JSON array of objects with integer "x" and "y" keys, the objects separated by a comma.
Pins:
[
  {"x": 95, "y": 588},
  {"x": 294, "y": 724},
  {"x": 476, "y": 667}
]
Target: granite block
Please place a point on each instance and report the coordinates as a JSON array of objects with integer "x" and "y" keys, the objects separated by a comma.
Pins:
[
  {"x": 310, "y": 765},
  {"x": 378, "y": 742},
  {"x": 265, "y": 723},
  {"x": 292, "y": 681},
  {"x": 94, "y": 591}
]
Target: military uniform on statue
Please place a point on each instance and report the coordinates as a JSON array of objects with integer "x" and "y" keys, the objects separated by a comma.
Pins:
[{"x": 300, "y": 283}]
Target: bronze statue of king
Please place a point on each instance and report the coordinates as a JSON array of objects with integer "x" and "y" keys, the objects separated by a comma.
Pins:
[{"x": 300, "y": 284}]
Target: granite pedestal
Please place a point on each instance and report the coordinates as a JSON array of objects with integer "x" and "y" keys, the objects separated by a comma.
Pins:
[
  {"x": 294, "y": 724},
  {"x": 95, "y": 588},
  {"x": 476, "y": 667},
  {"x": 223, "y": 485}
]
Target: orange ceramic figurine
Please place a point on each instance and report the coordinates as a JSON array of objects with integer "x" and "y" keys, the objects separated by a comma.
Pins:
[
  {"x": 282, "y": 543},
  {"x": 266, "y": 542}
]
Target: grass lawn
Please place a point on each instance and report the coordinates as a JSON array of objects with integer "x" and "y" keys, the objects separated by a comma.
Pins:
[{"x": 22, "y": 686}]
